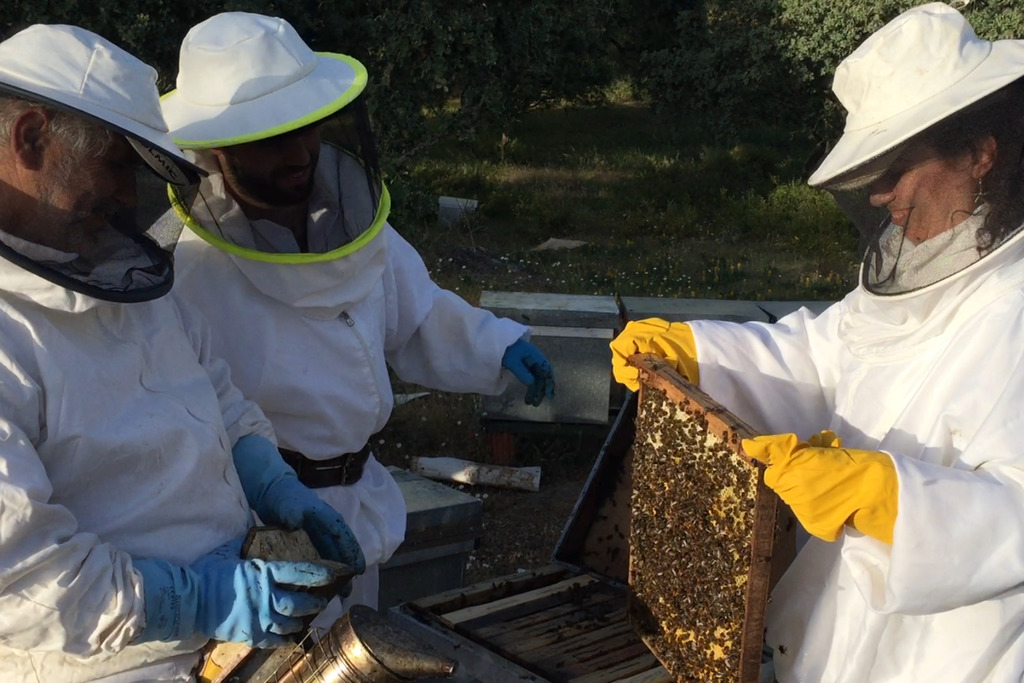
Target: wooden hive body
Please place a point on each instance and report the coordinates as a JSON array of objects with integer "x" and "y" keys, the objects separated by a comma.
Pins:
[{"x": 703, "y": 533}]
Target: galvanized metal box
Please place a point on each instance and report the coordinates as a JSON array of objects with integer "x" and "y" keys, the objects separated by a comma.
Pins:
[
  {"x": 566, "y": 621},
  {"x": 780, "y": 309},
  {"x": 553, "y": 310},
  {"x": 573, "y": 332},
  {"x": 683, "y": 310},
  {"x": 442, "y": 529}
]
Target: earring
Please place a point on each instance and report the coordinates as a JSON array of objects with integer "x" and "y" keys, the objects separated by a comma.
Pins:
[{"x": 979, "y": 194}]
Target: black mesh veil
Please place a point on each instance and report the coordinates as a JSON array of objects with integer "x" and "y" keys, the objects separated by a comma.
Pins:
[{"x": 115, "y": 250}]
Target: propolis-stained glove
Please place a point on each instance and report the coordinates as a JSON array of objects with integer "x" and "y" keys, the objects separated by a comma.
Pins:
[
  {"x": 672, "y": 341},
  {"x": 224, "y": 597},
  {"x": 528, "y": 364},
  {"x": 278, "y": 497},
  {"x": 828, "y": 486}
]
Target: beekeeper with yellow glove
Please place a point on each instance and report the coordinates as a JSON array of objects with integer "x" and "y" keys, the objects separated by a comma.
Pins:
[{"x": 915, "y": 495}]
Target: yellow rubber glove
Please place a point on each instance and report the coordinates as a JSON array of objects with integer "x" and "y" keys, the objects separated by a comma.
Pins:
[
  {"x": 828, "y": 486},
  {"x": 672, "y": 341}
]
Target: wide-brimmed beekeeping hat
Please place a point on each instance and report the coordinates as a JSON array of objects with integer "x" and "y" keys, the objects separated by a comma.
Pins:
[
  {"x": 244, "y": 77},
  {"x": 75, "y": 70},
  {"x": 920, "y": 68}
]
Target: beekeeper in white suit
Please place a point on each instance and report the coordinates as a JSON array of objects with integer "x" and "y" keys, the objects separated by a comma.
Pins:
[
  {"x": 311, "y": 294},
  {"x": 128, "y": 461},
  {"x": 915, "y": 494}
]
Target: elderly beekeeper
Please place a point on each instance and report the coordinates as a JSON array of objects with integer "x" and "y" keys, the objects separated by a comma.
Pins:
[
  {"x": 914, "y": 493},
  {"x": 311, "y": 294},
  {"x": 123, "y": 511}
]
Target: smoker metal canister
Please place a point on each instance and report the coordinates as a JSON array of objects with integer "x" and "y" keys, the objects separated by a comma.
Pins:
[{"x": 364, "y": 647}]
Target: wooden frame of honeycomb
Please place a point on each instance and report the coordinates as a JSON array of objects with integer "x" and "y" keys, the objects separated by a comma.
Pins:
[{"x": 703, "y": 533}]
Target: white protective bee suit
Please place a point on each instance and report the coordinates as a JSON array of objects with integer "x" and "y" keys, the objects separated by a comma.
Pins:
[
  {"x": 310, "y": 336},
  {"x": 116, "y": 428},
  {"x": 936, "y": 378}
]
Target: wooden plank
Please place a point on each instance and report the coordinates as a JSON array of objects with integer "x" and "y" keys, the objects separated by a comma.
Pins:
[
  {"x": 553, "y": 617},
  {"x": 536, "y": 622},
  {"x": 577, "y": 598},
  {"x": 556, "y": 660},
  {"x": 645, "y": 669},
  {"x": 562, "y": 647},
  {"x": 613, "y": 655},
  {"x": 620, "y": 651},
  {"x": 487, "y": 591},
  {"x": 563, "y": 631},
  {"x": 472, "y": 612}
]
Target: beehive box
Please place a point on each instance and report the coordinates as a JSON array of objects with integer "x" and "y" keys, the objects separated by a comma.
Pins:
[
  {"x": 575, "y": 619},
  {"x": 703, "y": 533},
  {"x": 441, "y": 529},
  {"x": 573, "y": 332},
  {"x": 563, "y": 622}
]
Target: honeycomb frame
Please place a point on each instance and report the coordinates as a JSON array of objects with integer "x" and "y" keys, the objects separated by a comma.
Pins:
[{"x": 703, "y": 532}]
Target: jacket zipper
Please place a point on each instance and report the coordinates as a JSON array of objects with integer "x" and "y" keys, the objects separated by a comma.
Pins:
[{"x": 362, "y": 342}]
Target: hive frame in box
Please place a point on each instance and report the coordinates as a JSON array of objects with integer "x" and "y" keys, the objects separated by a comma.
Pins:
[
  {"x": 565, "y": 622},
  {"x": 702, "y": 518},
  {"x": 483, "y": 624}
]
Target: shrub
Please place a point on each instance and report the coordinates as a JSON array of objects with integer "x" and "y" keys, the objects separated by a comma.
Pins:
[
  {"x": 747, "y": 64},
  {"x": 438, "y": 68}
]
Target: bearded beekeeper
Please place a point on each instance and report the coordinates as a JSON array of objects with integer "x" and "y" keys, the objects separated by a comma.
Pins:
[
  {"x": 128, "y": 460},
  {"x": 914, "y": 495},
  {"x": 310, "y": 292}
]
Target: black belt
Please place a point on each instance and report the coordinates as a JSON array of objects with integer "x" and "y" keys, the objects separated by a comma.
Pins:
[{"x": 342, "y": 470}]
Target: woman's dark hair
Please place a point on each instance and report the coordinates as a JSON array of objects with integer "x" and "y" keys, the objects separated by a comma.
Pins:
[{"x": 1001, "y": 116}]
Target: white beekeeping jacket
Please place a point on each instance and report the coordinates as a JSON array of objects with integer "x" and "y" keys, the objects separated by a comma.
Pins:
[
  {"x": 936, "y": 378},
  {"x": 115, "y": 433},
  {"x": 310, "y": 336}
]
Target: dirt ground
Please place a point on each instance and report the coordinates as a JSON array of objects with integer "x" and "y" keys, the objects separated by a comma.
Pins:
[{"x": 520, "y": 528}]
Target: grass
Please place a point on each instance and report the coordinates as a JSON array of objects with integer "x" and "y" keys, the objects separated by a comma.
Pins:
[{"x": 662, "y": 212}]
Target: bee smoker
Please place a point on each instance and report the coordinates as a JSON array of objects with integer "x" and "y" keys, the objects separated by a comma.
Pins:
[{"x": 363, "y": 647}]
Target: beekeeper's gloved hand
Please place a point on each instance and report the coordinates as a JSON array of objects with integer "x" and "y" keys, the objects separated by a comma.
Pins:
[
  {"x": 672, "y": 341},
  {"x": 528, "y": 364},
  {"x": 224, "y": 597},
  {"x": 828, "y": 486},
  {"x": 275, "y": 493}
]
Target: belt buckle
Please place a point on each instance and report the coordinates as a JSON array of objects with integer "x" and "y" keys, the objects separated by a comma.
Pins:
[{"x": 351, "y": 470}]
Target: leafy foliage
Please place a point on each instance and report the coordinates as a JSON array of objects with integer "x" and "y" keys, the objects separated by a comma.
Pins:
[
  {"x": 455, "y": 69},
  {"x": 755, "y": 63},
  {"x": 438, "y": 68}
]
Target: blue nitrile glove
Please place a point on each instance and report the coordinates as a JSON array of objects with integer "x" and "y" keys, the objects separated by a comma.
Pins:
[
  {"x": 224, "y": 597},
  {"x": 528, "y": 364},
  {"x": 278, "y": 497}
]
